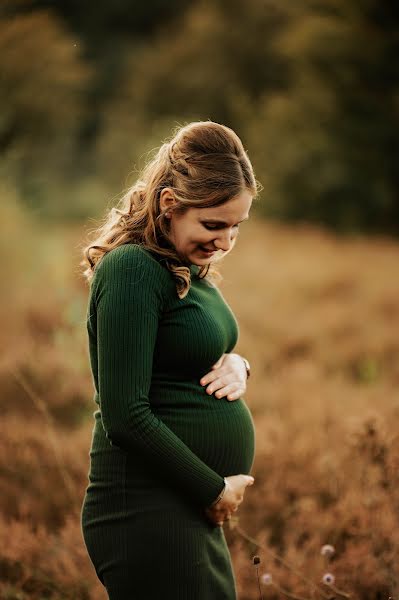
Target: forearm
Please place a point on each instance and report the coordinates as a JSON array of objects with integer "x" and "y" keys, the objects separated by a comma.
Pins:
[{"x": 141, "y": 431}]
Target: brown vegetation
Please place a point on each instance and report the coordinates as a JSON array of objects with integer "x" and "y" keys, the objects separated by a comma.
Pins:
[{"x": 319, "y": 318}]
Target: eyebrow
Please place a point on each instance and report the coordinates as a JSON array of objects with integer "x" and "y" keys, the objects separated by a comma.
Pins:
[{"x": 218, "y": 222}]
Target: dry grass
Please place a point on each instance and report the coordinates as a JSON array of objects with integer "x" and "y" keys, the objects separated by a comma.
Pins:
[{"x": 319, "y": 318}]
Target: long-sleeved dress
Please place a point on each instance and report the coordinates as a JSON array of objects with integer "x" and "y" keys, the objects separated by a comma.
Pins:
[{"x": 161, "y": 445}]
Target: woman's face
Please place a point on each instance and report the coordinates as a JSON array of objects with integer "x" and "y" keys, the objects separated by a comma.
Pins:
[{"x": 199, "y": 233}]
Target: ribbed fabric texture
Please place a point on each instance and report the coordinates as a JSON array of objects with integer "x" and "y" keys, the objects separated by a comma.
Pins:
[{"x": 161, "y": 446}]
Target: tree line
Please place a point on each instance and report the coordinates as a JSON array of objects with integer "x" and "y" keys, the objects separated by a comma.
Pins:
[{"x": 312, "y": 88}]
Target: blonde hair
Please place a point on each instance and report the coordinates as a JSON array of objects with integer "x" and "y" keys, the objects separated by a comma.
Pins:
[{"x": 205, "y": 165}]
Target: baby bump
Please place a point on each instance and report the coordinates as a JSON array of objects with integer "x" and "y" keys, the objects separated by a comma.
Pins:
[{"x": 220, "y": 432}]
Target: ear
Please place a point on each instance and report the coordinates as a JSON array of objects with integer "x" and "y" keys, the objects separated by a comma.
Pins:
[{"x": 167, "y": 199}]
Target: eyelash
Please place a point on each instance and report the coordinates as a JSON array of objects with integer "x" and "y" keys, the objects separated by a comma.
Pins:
[{"x": 216, "y": 227}]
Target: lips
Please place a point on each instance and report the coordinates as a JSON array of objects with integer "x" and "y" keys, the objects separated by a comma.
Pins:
[{"x": 206, "y": 250}]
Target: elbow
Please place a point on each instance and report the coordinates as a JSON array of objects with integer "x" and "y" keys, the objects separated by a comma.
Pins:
[
  {"x": 126, "y": 428},
  {"x": 115, "y": 435},
  {"x": 112, "y": 440}
]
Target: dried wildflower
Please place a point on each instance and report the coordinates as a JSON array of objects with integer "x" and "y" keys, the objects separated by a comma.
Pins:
[
  {"x": 328, "y": 579},
  {"x": 327, "y": 550},
  {"x": 256, "y": 560},
  {"x": 266, "y": 579}
]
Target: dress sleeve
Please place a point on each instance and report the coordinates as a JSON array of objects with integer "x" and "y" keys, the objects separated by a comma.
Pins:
[{"x": 129, "y": 287}]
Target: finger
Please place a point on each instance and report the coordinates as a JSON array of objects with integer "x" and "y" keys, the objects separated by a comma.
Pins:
[
  {"x": 232, "y": 390},
  {"x": 235, "y": 395},
  {"x": 223, "y": 516},
  {"x": 216, "y": 518},
  {"x": 213, "y": 375},
  {"x": 231, "y": 365},
  {"x": 215, "y": 385},
  {"x": 218, "y": 513},
  {"x": 220, "y": 383},
  {"x": 213, "y": 520}
]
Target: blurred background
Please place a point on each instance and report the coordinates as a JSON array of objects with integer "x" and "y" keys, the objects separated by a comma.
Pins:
[{"x": 87, "y": 92}]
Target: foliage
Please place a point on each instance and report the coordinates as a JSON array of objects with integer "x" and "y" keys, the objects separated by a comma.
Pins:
[
  {"x": 311, "y": 87},
  {"x": 40, "y": 98},
  {"x": 330, "y": 144}
]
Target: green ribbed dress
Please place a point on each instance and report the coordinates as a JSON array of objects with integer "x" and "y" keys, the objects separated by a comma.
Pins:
[{"x": 161, "y": 445}]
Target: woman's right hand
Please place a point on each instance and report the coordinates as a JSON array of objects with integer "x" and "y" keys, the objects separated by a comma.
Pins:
[{"x": 232, "y": 498}]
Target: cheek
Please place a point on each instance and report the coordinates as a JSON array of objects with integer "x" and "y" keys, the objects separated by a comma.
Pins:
[{"x": 199, "y": 235}]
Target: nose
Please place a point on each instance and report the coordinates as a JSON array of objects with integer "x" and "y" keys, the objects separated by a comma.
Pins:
[{"x": 224, "y": 240}]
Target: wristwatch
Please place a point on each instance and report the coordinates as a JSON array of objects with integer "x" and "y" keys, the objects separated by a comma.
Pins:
[{"x": 247, "y": 366}]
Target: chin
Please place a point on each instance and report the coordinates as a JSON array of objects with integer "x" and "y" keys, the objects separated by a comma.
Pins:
[
  {"x": 195, "y": 258},
  {"x": 200, "y": 262}
]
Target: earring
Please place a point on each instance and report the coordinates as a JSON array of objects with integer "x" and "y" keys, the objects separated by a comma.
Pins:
[{"x": 168, "y": 215}]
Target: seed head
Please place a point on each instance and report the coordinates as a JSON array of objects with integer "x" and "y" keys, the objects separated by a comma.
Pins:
[
  {"x": 328, "y": 579},
  {"x": 327, "y": 550},
  {"x": 266, "y": 579}
]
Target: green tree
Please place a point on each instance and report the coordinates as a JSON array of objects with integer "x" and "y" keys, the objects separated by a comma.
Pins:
[
  {"x": 329, "y": 144},
  {"x": 41, "y": 83},
  {"x": 208, "y": 64}
]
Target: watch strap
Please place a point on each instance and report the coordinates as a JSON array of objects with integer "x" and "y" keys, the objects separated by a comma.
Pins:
[{"x": 247, "y": 366}]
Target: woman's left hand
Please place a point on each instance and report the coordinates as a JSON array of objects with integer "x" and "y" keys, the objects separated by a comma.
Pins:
[{"x": 228, "y": 377}]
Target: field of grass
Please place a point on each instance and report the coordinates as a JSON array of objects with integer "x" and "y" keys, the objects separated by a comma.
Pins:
[{"x": 319, "y": 321}]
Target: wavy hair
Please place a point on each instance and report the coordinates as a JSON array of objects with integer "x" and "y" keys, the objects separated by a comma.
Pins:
[{"x": 205, "y": 165}]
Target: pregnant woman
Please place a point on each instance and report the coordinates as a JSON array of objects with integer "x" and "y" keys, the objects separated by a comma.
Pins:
[{"x": 173, "y": 442}]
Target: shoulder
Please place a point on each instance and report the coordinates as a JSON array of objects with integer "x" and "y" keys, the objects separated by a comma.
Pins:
[
  {"x": 129, "y": 257},
  {"x": 132, "y": 264}
]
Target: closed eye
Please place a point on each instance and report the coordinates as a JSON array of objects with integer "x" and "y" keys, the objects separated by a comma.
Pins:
[
  {"x": 214, "y": 226},
  {"x": 211, "y": 226}
]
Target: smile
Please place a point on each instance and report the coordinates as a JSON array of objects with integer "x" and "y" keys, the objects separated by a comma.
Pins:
[{"x": 206, "y": 250}]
